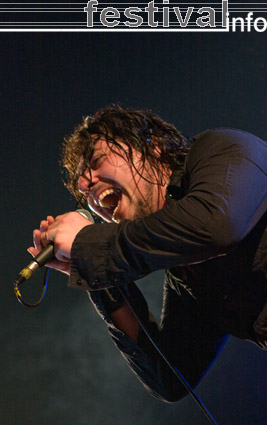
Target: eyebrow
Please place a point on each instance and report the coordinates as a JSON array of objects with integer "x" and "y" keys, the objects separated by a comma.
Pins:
[
  {"x": 99, "y": 148},
  {"x": 96, "y": 150}
]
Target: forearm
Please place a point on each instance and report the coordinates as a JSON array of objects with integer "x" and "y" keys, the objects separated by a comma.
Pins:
[
  {"x": 131, "y": 341},
  {"x": 117, "y": 304},
  {"x": 125, "y": 321}
]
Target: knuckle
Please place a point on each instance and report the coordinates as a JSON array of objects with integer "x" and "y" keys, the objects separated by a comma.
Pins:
[{"x": 68, "y": 217}]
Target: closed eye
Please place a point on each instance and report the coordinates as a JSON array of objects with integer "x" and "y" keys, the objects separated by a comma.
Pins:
[{"x": 96, "y": 161}]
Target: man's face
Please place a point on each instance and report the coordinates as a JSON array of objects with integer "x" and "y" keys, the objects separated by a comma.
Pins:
[{"x": 114, "y": 190}]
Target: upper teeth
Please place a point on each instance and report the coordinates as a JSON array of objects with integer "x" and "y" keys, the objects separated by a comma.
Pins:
[{"x": 104, "y": 194}]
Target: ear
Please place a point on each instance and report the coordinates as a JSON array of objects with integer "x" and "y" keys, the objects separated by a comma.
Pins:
[
  {"x": 155, "y": 142},
  {"x": 164, "y": 169}
]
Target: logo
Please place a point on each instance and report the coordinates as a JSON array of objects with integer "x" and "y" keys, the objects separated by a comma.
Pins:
[{"x": 155, "y": 15}]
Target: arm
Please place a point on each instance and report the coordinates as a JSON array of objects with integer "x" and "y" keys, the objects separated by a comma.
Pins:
[
  {"x": 184, "y": 337},
  {"x": 225, "y": 196}
]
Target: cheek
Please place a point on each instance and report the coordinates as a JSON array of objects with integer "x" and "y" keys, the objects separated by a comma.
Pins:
[
  {"x": 82, "y": 184},
  {"x": 122, "y": 173}
]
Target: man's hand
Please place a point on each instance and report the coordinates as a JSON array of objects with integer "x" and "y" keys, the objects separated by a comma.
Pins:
[{"x": 61, "y": 231}]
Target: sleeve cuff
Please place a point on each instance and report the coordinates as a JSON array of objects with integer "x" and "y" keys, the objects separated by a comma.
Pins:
[{"x": 90, "y": 255}]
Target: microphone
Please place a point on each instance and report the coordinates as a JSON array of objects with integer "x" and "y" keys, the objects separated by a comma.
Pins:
[{"x": 44, "y": 256}]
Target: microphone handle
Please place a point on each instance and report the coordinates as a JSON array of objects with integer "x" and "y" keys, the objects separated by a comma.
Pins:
[{"x": 45, "y": 255}]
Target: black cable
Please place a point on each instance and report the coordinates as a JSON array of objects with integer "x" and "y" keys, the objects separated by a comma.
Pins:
[
  {"x": 38, "y": 302},
  {"x": 173, "y": 368}
]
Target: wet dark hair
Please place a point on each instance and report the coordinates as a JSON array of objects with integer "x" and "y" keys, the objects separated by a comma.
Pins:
[{"x": 158, "y": 141}]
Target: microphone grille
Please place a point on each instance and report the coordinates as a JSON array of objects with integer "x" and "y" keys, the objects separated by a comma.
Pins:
[{"x": 85, "y": 213}]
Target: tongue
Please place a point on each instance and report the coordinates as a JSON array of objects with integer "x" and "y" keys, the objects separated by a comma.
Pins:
[{"x": 110, "y": 201}]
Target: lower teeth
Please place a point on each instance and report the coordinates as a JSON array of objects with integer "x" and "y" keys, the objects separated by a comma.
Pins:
[{"x": 114, "y": 212}]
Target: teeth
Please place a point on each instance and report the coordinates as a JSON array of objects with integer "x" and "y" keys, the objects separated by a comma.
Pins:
[
  {"x": 100, "y": 202},
  {"x": 104, "y": 194},
  {"x": 114, "y": 212}
]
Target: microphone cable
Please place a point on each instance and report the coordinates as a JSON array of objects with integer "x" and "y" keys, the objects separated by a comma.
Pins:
[{"x": 38, "y": 302}]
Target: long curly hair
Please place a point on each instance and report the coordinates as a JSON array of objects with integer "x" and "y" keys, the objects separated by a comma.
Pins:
[{"x": 141, "y": 130}]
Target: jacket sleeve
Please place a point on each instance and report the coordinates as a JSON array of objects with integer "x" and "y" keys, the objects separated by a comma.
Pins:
[
  {"x": 225, "y": 196},
  {"x": 184, "y": 337},
  {"x": 141, "y": 358}
]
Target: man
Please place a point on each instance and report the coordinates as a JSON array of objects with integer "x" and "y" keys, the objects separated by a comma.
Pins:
[{"x": 194, "y": 208}]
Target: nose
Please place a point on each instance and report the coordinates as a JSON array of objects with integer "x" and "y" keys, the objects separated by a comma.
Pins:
[{"x": 87, "y": 180}]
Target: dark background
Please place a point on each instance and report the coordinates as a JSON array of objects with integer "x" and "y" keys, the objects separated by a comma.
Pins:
[{"x": 57, "y": 362}]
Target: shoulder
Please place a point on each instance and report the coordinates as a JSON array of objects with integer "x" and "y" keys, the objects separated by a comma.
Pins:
[
  {"x": 228, "y": 142},
  {"x": 217, "y": 137}
]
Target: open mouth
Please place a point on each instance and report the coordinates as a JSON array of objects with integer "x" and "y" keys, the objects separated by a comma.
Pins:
[{"x": 109, "y": 201}]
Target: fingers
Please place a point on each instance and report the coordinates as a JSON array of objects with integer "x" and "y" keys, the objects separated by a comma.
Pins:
[
  {"x": 37, "y": 240},
  {"x": 33, "y": 251},
  {"x": 45, "y": 223},
  {"x": 50, "y": 220},
  {"x": 40, "y": 239}
]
